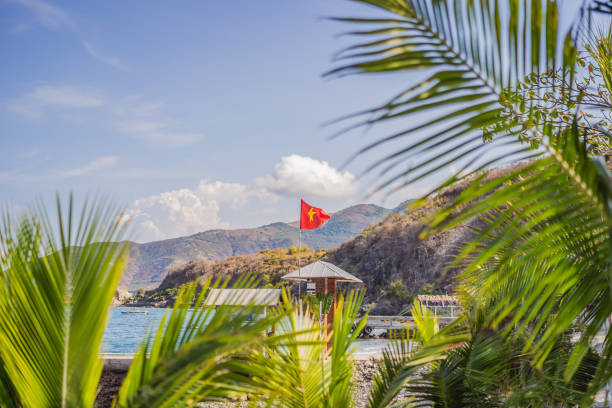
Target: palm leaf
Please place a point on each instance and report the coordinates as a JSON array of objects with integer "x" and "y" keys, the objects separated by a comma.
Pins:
[
  {"x": 301, "y": 370},
  {"x": 295, "y": 371},
  {"x": 470, "y": 364},
  {"x": 464, "y": 94},
  {"x": 551, "y": 224},
  {"x": 398, "y": 370},
  {"x": 344, "y": 332},
  {"x": 394, "y": 359},
  {"x": 199, "y": 352},
  {"x": 545, "y": 238},
  {"x": 58, "y": 281}
]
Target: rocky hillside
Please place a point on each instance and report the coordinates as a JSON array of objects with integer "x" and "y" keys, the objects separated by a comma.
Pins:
[
  {"x": 269, "y": 264},
  {"x": 388, "y": 256},
  {"x": 395, "y": 265},
  {"x": 149, "y": 263}
]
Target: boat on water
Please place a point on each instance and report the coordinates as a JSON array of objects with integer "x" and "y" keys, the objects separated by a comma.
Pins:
[{"x": 139, "y": 312}]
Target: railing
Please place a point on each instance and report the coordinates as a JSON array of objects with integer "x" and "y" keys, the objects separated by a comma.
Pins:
[
  {"x": 391, "y": 323},
  {"x": 444, "y": 310}
]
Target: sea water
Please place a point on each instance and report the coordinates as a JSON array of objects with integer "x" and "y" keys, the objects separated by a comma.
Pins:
[{"x": 126, "y": 331}]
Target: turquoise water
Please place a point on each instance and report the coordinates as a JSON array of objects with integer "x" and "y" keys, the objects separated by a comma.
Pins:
[{"x": 125, "y": 332}]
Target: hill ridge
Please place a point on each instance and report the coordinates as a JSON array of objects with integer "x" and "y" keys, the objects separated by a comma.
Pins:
[{"x": 150, "y": 262}]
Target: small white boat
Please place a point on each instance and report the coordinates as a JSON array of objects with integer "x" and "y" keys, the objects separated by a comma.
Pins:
[{"x": 139, "y": 312}]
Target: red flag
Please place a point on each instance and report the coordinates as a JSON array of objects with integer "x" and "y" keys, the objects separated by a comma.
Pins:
[{"x": 312, "y": 217}]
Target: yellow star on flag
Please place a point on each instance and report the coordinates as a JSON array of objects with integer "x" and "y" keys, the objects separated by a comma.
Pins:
[{"x": 311, "y": 214}]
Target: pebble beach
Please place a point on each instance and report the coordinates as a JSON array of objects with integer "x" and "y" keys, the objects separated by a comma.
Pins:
[{"x": 363, "y": 374}]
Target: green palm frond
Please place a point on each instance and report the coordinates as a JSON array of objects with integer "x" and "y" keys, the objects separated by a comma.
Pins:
[
  {"x": 469, "y": 376},
  {"x": 8, "y": 394},
  {"x": 545, "y": 238},
  {"x": 56, "y": 288},
  {"x": 475, "y": 56},
  {"x": 547, "y": 385},
  {"x": 394, "y": 359},
  {"x": 470, "y": 364},
  {"x": 296, "y": 371},
  {"x": 425, "y": 322},
  {"x": 542, "y": 224},
  {"x": 200, "y": 352},
  {"x": 400, "y": 369},
  {"x": 302, "y": 370},
  {"x": 345, "y": 331}
]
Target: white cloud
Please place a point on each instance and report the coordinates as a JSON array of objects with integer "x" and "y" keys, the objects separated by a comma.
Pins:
[
  {"x": 174, "y": 213},
  {"x": 142, "y": 120},
  {"x": 138, "y": 118},
  {"x": 235, "y": 194},
  {"x": 69, "y": 97},
  {"x": 19, "y": 176},
  {"x": 187, "y": 211},
  {"x": 298, "y": 175},
  {"x": 47, "y": 15},
  {"x": 99, "y": 163},
  {"x": 107, "y": 59},
  {"x": 20, "y": 28},
  {"x": 45, "y": 97}
]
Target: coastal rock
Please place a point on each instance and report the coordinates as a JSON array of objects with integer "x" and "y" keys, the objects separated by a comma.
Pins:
[{"x": 122, "y": 295}]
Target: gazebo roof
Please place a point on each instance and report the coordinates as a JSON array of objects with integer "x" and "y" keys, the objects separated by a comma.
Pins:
[
  {"x": 321, "y": 269},
  {"x": 243, "y": 297}
]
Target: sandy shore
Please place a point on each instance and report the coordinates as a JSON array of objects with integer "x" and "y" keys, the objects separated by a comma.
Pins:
[{"x": 364, "y": 373}]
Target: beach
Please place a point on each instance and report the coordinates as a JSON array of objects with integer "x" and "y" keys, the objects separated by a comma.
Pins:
[{"x": 363, "y": 374}]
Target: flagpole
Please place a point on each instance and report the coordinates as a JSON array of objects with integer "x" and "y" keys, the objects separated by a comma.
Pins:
[{"x": 300, "y": 255}]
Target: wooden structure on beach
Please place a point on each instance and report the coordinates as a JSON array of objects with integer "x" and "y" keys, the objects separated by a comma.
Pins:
[{"x": 324, "y": 276}]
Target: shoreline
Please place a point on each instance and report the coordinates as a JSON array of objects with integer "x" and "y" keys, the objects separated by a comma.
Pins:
[
  {"x": 122, "y": 361},
  {"x": 117, "y": 364},
  {"x": 365, "y": 368}
]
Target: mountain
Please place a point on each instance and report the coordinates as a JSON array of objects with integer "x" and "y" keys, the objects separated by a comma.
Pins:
[
  {"x": 149, "y": 263},
  {"x": 388, "y": 256}
]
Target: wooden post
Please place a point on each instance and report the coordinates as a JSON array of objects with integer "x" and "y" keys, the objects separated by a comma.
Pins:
[{"x": 327, "y": 286}]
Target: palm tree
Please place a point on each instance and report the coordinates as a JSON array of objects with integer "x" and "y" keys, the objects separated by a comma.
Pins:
[{"x": 541, "y": 262}]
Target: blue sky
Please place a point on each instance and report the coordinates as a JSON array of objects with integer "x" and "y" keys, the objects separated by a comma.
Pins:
[{"x": 193, "y": 116}]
